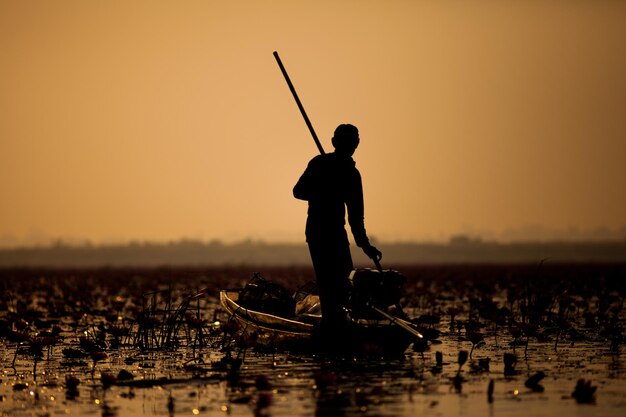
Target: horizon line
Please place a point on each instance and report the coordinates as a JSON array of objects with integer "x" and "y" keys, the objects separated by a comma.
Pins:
[{"x": 452, "y": 240}]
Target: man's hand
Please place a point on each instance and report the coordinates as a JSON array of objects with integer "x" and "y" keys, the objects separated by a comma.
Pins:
[{"x": 373, "y": 253}]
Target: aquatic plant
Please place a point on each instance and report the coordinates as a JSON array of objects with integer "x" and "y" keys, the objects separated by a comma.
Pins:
[
  {"x": 584, "y": 392},
  {"x": 245, "y": 341},
  {"x": 160, "y": 319},
  {"x": 107, "y": 380},
  {"x": 482, "y": 365},
  {"x": 96, "y": 356},
  {"x": 509, "y": 364},
  {"x": 533, "y": 382},
  {"x": 457, "y": 381},
  {"x": 476, "y": 338},
  {"x": 71, "y": 386},
  {"x": 438, "y": 367}
]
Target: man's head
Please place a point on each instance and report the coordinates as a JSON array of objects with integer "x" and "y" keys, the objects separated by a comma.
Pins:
[{"x": 346, "y": 139}]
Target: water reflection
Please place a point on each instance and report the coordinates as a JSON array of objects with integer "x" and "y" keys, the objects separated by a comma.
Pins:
[{"x": 287, "y": 385}]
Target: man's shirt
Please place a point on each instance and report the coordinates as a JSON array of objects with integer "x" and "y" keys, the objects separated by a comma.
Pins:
[{"x": 330, "y": 183}]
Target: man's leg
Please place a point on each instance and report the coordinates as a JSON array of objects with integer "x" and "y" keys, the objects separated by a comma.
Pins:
[{"x": 332, "y": 263}]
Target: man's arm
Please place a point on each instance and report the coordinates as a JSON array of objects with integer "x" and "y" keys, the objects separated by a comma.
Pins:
[
  {"x": 356, "y": 218},
  {"x": 306, "y": 185},
  {"x": 354, "y": 202}
]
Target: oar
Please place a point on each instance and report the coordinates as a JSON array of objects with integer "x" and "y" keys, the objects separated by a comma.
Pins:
[
  {"x": 395, "y": 321},
  {"x": 390, "y": 317}
]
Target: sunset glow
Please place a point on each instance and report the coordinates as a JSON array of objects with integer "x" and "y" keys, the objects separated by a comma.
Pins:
[{"x": 159, "y": 120}]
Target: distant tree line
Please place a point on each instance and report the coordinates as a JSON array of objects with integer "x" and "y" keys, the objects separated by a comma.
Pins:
[{"x": 197, "y": 253}]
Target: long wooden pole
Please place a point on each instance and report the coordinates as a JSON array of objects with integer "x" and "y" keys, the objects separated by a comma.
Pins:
[
  {"x": 299, "y": 103},
  {"x": 397, "y": 321}
]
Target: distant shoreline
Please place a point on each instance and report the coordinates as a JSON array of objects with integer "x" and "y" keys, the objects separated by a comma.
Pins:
[{"x": 195, "y": 253}]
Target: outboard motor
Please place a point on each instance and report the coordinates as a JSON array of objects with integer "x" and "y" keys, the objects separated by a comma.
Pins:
[{"x": 376, "y": 288}]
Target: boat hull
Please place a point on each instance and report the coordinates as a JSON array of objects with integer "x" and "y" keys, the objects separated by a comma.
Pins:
[{"x": 369, "y": 337}]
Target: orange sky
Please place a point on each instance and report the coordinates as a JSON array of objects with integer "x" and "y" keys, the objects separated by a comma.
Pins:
[{"x": 161, "y": 120}]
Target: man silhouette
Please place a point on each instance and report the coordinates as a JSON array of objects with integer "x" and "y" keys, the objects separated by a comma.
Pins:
[{"x": 330, "y": 183}]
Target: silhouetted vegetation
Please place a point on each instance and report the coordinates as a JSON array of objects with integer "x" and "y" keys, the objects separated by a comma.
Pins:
[{"x": 97, "y": 329}]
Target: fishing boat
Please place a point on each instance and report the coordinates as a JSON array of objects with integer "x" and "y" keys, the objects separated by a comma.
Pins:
[{"x": 371, "y": 329}]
